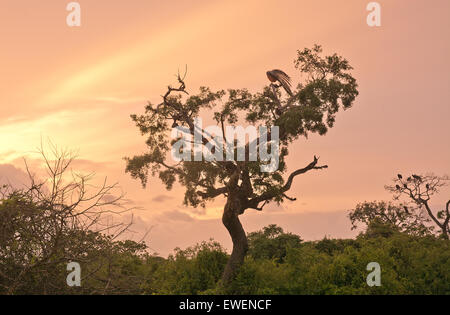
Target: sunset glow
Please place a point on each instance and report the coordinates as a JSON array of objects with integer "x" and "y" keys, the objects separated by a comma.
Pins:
[{"x": 79, "y": 86}]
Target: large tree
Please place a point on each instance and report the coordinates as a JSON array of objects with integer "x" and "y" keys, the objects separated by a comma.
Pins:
[{"x": 311, "y": 108}]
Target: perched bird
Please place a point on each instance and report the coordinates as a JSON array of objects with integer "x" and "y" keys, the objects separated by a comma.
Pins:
[
  {"x": 417, "y": 178},
  {"x": 282, "y": 78},
  {"x": 400, "y": 176}
]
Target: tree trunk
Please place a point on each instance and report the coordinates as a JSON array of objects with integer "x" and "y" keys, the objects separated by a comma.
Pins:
[
  {"x": 240, "y": 245},
  {"x": 445, "y": 233}
]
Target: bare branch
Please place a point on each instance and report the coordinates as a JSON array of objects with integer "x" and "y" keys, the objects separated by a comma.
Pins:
[{"x": 267, "y": 196}]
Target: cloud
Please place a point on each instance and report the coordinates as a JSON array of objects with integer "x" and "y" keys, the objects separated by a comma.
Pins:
[
  {"x": 162, "y": 198},
  {"x": 7, "y": 155},
  {"x": 176, "y": 215},
  {"x": 200, "y": 211},
  {"x": 11, "y": 175}
]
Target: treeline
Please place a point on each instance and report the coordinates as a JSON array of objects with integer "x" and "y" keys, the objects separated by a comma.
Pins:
[
  {"x": 281, "y": 263},
  {"x": 277, "y": 263}
]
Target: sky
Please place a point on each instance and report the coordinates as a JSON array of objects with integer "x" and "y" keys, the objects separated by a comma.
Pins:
[{"x": 78, "y": 86}]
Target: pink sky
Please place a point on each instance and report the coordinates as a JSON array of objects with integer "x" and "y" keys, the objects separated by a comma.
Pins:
[{"x": 78, "y": 87}]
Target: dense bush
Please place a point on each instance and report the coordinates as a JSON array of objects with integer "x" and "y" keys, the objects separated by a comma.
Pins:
[
  {"x": 410, "y": 265},
  {"x": 190, "y": 271},
  {"x": 277, "y": 263}
]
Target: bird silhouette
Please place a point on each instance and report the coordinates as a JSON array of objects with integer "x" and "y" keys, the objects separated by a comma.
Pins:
[
  {"x": 282, "y": 78},
  {"x": 418, "y": 178}
]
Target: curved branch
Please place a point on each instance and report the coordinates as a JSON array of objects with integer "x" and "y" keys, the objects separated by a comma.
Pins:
[
  {"x": 289, "y": 198},
  {"x": 311, "y": 166},
  {"x": 430, "y": 213},
  {"x": 267, "y": 196}
]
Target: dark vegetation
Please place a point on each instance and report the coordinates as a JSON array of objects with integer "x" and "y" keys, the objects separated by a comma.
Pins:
[{"x": 277, "y": 263}]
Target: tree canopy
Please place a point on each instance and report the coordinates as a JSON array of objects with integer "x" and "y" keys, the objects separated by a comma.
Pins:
[{"x": 328, "y": 87}]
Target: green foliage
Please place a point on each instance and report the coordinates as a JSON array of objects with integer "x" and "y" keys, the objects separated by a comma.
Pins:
[
  {"x": 278, "y": 263},
  {"x": 377, "y": 215},
  {"x": 410, "y": 265},
  {"x": 272, "y": 243},
  {"x": 191, "y": 271}
]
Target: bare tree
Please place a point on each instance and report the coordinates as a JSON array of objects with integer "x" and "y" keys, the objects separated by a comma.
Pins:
[
  {"x": 53, "y": 219},
  {"x": 419, "y": 189}
]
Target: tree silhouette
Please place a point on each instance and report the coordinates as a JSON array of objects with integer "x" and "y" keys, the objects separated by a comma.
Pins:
[
  {"x": 328, "y": 87},
  {"x": 419, "y": 190},
  {"x": 55, "y": 219}
]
